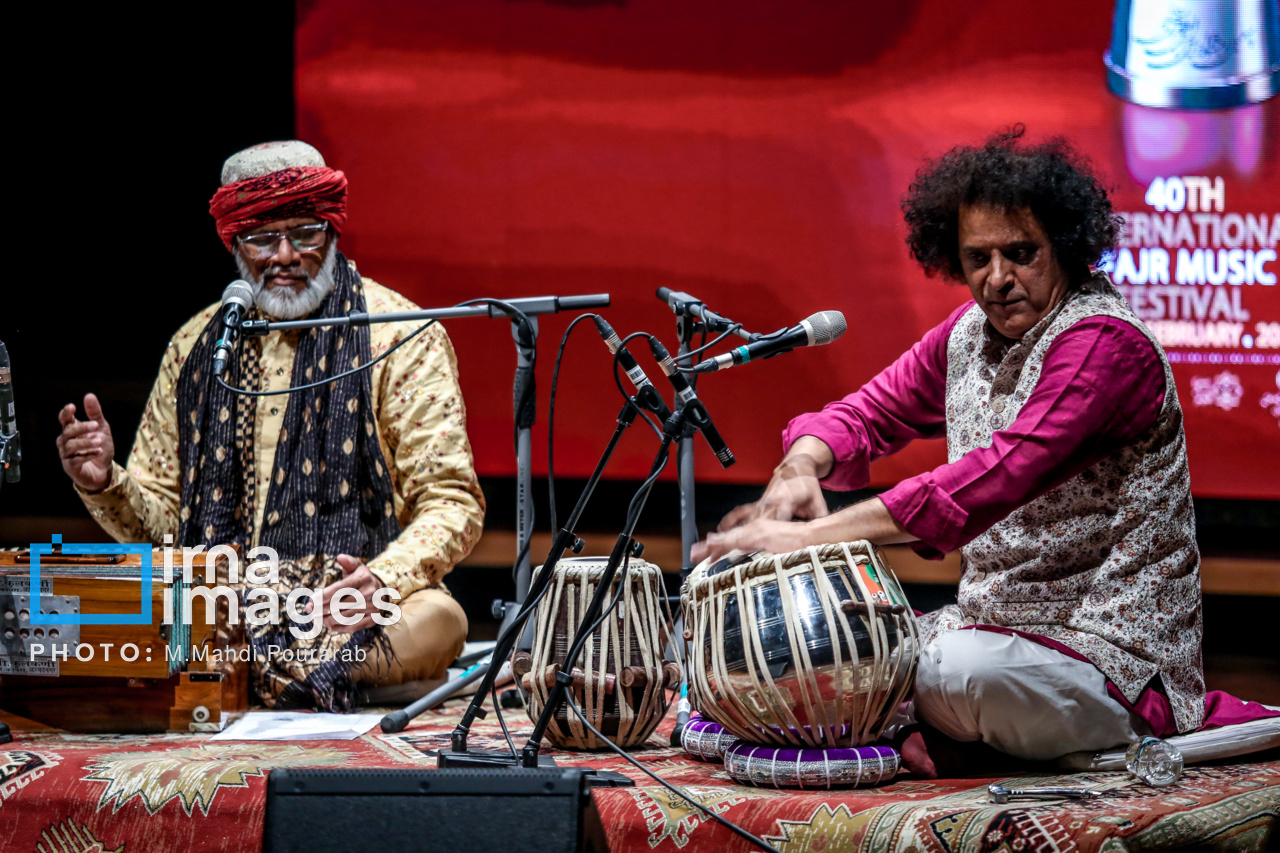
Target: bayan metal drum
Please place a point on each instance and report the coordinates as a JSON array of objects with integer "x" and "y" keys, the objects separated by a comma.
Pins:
[
  {"x": 816, "y": 648},
  {"x": 620, "y": 681}
]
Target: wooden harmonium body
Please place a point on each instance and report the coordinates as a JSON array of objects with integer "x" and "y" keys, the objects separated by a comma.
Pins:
[{"x": 110, "y": 666}]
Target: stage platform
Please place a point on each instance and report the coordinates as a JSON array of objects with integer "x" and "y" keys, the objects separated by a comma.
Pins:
[{"x": 63, "y": 793}]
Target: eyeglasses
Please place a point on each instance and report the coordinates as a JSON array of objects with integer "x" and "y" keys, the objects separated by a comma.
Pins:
[{"x": 304, "y": 238}]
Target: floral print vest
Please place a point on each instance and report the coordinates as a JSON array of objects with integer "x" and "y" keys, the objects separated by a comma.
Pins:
[{"x": 1106, "y": 563}]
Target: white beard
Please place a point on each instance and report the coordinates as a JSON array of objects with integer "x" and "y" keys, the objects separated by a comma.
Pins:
[{"x": 285, "y": 303}]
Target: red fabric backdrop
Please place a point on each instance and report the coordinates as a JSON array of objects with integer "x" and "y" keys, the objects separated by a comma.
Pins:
[{"x": 752, "y": 154}]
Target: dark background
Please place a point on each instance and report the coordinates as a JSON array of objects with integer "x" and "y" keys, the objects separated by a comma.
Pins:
[{"x": 124, "y": 129}]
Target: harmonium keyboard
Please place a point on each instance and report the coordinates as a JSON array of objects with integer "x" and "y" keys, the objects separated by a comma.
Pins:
[{"x": 102, "y": 647}]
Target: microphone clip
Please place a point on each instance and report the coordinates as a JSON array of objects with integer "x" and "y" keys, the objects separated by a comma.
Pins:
[
  {"x": 690, "y": 419},
  {"x": 648, "y": 399}
]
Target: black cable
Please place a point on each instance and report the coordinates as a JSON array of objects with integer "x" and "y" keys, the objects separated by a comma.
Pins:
[
  {"x": 617, "y": 380},
  {"x": 687, "y": 359},
  {"x": 604, "y": 614},
  {"x": 497, "y": 709},
  {"x": 728, "y": 824},
  {"x": 524, "y": 550},
  {"x": 700, "y": 350},
  {"x": 526, "y": 325},
  {"x": 511, "y": 311},
  {"x": 247, "y": 393},
  {"x": 551, "y": 419},
  {"x": 637, "y": 502},
  {"x": 704, "y": 345}
]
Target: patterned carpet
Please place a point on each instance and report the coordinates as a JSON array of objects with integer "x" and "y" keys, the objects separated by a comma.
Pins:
[{"x": 151, "y": 794}]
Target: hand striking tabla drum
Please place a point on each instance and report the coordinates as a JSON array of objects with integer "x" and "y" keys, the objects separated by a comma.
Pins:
[
  {"x": 816, "y": 648},
  {"x": 620, "y": 681}
]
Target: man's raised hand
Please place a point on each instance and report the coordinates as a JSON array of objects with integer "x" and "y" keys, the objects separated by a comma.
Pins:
[
  {"x": 86, "y": 447},
  {"x": 793, "y": 492}
]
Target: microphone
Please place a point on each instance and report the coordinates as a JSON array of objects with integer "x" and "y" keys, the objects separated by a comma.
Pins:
[
  {"x": 814, "y": 331},
  {"x": 689, "y": 397},
  {"x": 644, "y": 388},
  {"x": 10, "y": 442},
  {"x": 236, "y": 300}
]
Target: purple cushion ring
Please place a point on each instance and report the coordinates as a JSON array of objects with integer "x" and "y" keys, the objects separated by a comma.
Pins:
[
  {"x": 704, "y": 739},
  {"x": 788, "y": 767}
]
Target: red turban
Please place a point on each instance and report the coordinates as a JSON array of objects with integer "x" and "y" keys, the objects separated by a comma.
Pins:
[{"x": 296, "y": 191}]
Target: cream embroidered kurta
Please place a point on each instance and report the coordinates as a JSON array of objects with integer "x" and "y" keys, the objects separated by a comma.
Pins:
[{"x": 422, "y": 429}]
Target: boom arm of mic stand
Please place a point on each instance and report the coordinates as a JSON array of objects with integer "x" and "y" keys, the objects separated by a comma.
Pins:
[
  {"x": 529, "y": 306},
  {"x": 565, "y": 539}
]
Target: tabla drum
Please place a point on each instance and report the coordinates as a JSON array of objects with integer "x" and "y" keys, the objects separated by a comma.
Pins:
[
  {"x": 816, "y": 648},
  {"x": 621, "y": 679}
]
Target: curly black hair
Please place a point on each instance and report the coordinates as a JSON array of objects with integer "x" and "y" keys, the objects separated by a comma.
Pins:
[{"x": 1049, "y": 179}]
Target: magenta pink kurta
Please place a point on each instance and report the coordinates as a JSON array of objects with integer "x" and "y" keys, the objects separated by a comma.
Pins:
[{"x": 1100, "y": 387}]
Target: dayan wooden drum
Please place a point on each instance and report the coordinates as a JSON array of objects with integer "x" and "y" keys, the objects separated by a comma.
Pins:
[
  {"x": 620, "y": 681},
  {"x": 815, "y": 648}
]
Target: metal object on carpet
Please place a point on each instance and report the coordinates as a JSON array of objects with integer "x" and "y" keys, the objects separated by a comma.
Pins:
[
  {"x": 1154, "y": 761},
  {"x": 461, "y": 811},
  {"x": 1229, "y": 741},
  {"x": 999, "y": 794}
]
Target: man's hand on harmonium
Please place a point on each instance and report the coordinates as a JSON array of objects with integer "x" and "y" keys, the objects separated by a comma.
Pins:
[{"x": 86, "y": 447}]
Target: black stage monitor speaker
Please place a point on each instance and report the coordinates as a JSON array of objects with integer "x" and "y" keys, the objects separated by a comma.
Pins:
[{"x": 460, "y": 810}]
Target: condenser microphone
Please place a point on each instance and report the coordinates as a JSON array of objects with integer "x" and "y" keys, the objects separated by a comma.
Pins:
[
  {"x": 10, "y": 443},
  {"x": 814, "y": 331},
  {"x": 644, "y": 388},
  {"x": 689, "y": 399},
  {"x": 236, "y": 300}
]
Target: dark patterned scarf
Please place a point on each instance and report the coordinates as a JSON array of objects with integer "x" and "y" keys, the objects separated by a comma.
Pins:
[{"x": 330, "y": 490}]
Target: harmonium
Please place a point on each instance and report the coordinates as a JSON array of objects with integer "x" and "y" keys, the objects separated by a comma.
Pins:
[{"x": 100, "y": 642}]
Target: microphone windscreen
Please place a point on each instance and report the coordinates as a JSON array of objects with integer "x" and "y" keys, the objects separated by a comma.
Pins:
[
  {"x": 238, "y": 291},
  {"x": 827, "y": 326}
]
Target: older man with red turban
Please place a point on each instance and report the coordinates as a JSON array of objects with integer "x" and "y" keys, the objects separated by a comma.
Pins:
[{"x": 361, "y": 482}]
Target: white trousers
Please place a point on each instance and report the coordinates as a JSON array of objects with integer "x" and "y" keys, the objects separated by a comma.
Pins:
[{"x": 1018, "y": 696}]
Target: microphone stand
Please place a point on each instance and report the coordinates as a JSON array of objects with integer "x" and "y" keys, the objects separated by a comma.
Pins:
[
  {"x": 686, "y": 327},
  {"x": 528, "y": 306},
  {"x": 677, "y": 426},
  {"x": 691, "y": 316},
  {"x": 458, "y": 755},
  {"x": 525, "y": 408}
]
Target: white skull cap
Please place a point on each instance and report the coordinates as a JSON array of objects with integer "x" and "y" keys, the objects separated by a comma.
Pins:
[{"x": 269, "y": 157}]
